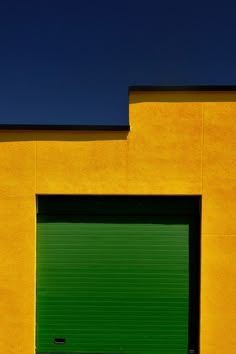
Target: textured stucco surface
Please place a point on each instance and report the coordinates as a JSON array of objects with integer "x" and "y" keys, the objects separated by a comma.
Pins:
[{"x": 180, "y": 143}]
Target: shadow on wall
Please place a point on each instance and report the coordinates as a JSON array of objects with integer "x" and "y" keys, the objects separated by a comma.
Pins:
[
  {"x": 181, "y": 96},
  {"x": 54, "y": 135}
]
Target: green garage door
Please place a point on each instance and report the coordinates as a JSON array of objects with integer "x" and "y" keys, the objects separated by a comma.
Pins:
[{"x": 112, "y": 277}]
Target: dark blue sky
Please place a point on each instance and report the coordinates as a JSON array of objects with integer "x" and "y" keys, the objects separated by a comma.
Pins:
[{"x": 71, "y": 62}]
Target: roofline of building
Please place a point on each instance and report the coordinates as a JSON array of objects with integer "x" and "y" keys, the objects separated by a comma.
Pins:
[
  {"x": 118, "y": 127},
  {"x": 182, "y": 88},
  {"x": 64, "y": 127}
]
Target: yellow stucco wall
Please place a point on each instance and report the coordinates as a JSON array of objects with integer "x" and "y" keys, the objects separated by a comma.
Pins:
[{"x": 180, "y": 143}]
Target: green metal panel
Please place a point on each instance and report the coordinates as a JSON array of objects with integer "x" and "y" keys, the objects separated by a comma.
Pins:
[{"x": 113, "y": 284}]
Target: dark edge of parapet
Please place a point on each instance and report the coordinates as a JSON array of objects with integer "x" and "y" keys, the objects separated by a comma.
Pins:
[
  {"x": 183, "y": 88},
  {"x": 117, "y": 128}
]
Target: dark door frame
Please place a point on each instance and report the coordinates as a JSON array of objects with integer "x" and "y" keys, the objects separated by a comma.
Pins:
[{"x": 149, "y": 205}]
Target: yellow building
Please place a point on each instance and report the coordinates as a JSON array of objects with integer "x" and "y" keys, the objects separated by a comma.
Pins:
[{"x": 180, "y": 143}]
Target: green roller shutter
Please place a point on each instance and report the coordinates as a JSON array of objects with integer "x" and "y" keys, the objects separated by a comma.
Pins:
[{"x": 112, "y": 282}]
